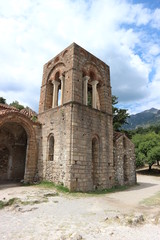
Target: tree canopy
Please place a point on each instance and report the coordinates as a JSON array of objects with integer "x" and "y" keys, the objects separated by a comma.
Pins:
[
  {"x": 147, "y": 148},
  {"x": 16, "y": 105},
  {"x": 2, "y": 100},
  {"x": 119, "y": 115}
]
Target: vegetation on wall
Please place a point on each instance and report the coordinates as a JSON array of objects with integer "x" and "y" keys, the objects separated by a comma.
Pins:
[{"x": 17, "y": 105}]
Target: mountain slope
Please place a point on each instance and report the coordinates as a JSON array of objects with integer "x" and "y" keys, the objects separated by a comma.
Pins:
[{"x": 143, "y": 119}]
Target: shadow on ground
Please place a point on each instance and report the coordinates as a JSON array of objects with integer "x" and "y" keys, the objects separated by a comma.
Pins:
[
  {"x": 153, "y": 172},
  {"x": 9, "y": 184}
]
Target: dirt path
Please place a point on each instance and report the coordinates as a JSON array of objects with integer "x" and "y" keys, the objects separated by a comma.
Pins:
[{"x": 115, "y": 216}]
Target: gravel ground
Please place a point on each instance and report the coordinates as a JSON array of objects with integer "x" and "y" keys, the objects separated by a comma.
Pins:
[{"x": 38, "y": 213}]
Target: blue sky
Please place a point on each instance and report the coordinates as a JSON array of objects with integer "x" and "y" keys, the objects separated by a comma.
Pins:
[{"x": 123, "y": 33}]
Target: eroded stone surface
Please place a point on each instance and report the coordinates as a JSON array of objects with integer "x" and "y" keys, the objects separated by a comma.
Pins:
[{"x": 72, "y": 143}]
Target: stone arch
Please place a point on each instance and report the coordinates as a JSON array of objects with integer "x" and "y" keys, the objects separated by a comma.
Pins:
[
  {"x": 54, "y": 86},
  {"x": 56, "y": 59},
  {"x": 65, "y": 53},
  {"x": 95, "y": 161},
  {"x": 92, "y": 67},
  {"x": 95, "y": 77},
  {"x": 23, "y": 123},
  {"x": 59, "y": 67}
]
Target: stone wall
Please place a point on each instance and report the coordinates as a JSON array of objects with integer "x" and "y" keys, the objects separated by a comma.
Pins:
[
  {"x": 57, "y": 123},
  {"x": 124, "y": 160},
  {"x": 90, "y": 172},
  {"x": 83, "y": 136}
]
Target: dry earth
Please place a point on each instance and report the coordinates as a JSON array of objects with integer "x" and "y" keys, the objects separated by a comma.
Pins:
[{"x": 40, "y": 214}]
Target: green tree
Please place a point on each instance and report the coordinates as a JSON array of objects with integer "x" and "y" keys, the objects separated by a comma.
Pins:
[
  {"x": 147, "y": 148},
  {"x": 119, "y": 115},
  {"x": 2, "y": 100},
  {"x": 153, "y": 156},
  {"x": 16, "y": 105}
]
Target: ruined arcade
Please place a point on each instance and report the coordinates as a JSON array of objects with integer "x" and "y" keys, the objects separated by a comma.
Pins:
[{"x": 73, "y": 138}]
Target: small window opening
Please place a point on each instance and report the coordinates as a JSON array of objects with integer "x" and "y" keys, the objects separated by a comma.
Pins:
[
  {"x": 51, "y": 149},
  {"x": 59, "y": 95},
  {"x": 89, "y": 95}
]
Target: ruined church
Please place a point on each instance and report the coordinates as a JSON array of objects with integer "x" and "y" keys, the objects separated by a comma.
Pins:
[{"x": 72, "y": 141}]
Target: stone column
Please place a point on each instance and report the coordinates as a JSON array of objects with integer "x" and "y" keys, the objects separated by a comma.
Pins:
[
  {"x": 55, "y": 94},
  {"x": 94, "y": 93},
  {"x": 85, "y": 90},
  {"x": 62, "y": 88}
]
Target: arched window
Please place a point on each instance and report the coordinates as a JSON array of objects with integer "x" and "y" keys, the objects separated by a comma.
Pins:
[
  {"x": 51, "y": 148},
  {"x": 90, "y": 89},
  {"x": 90, "y": 93},
  {"x": 58, "y": 83},
  {"x": 57, "y": 78}
]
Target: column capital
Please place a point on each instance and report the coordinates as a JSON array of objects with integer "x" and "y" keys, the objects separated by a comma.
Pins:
[
  {"x": 86, "y": 78},
  {"x": 95, "y": 82},
  {"x": 55, "y": 82},
  {"x": 61, "y": 77}
]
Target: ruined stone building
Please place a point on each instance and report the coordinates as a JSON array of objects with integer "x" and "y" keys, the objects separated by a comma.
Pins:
[{"x": 72, "y": 143}]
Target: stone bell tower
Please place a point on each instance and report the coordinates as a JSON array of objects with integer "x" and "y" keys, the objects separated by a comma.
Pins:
[{"x": 75, "y": 109}]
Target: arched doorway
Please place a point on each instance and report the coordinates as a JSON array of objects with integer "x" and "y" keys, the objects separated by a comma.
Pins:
[
  {"x": 13, "y": 145},
  {"x": 95, "y": 162}
]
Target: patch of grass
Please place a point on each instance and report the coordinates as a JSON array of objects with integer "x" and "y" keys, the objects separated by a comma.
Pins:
[
  {"x": 100, "y": 192},
  {"x": 50, "y": 194},
  {"x": 46, "y": 184},
  {"x": 32, "y": 202},
  {"x": 8, "y": 203},
  {"x": 152, "y": 201},
  {"x": 13, "y": 201},
  {"x": 59, "y": 187},
  {"x": 63, "y": 189}
]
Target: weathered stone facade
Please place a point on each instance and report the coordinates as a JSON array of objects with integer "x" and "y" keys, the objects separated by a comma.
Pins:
[
  {"x": 82, "y": 134},
  {"x": 18, "y": 145},
  {"x": 124, "y": 160},
  {"x": 72, "y": 142}
]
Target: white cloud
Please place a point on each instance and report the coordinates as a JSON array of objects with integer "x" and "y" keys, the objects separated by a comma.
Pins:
[
  {"x": 156, "y": 18},
  {"x": 32, "y": 32}
]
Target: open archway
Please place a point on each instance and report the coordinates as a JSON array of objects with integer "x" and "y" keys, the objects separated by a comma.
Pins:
[
  {"x": 18, "y": 145},
  {"x": 13, "y": 145}
]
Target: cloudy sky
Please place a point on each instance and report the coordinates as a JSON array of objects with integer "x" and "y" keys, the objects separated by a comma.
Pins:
[{"x": 123, "y": 33}]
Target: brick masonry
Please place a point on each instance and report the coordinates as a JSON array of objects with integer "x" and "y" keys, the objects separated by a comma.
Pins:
[
  {"x": 72, "y": 143},
  {"x": 83, "y": 136}
]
